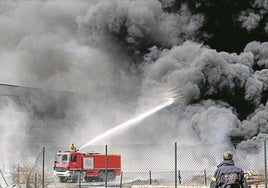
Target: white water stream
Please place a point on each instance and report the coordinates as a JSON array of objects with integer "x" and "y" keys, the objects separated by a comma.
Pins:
[{"x": 132, "y": 121}]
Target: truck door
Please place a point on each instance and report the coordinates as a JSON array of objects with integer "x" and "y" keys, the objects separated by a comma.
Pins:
[{"x": 75, "y": 162}]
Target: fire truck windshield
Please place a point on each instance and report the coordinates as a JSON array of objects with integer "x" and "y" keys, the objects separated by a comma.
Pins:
[{"x": 59, "y": 158}]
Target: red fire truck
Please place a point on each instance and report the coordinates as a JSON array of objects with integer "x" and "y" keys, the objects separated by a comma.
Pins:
[{"x": 90, "y": 166}]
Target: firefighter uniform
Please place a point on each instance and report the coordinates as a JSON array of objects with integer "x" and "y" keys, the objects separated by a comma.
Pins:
[
  {"x": 227, "y": 175},
  {"x": 71, "y": 147}
]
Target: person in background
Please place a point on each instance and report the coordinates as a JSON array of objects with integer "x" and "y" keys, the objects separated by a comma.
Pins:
[
  {"x": 227, "y": 175},
  {"x": 72, "y": 147}
]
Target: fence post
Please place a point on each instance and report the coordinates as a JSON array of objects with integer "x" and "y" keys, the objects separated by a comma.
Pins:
[
  {"x": 205, "y": 174},
  {"x": 150, "y": 174},
  {"x": 19, "y": 176},
  {"x": 35, "y": 180},
  {"x": 106, "y": 161},
  {"x": 176, "y": 176},
  {"x": 80, "y": 178},
  {"x": 121, "y": 179},
  {"x": 265, "y": 163},
  {"x": 43, "y": 169}
]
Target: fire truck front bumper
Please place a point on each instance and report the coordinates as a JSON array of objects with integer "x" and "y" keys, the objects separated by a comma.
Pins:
[{"x": 64, "y": 174}]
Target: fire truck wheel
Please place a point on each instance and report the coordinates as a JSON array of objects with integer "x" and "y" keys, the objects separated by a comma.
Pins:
[
  {"x": 101, "y": 176},
  {"x": 74, "y": 179},
  {"x": 110, "y": 175},
  {"x": 63, "y": 179}
]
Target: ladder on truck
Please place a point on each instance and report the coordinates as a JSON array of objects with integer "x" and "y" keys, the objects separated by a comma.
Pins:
[{"x": 3, "y": 182}]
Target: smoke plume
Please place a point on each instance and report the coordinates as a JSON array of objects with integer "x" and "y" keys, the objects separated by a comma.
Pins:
[{"x": 71, "y": 71}]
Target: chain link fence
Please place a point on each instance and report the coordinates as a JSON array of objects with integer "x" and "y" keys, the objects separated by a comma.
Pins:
[
  {"x": 158, "y": 164},
  {"x": 183, "y": 164},
  {"x": 198, "y": 163}
]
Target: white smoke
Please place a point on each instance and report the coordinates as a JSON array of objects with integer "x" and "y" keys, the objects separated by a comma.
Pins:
[
  {"x": 251, "y": 18},
  {"x": 13, "y": 122},
  {"x": 214, "y": 125},
  {"x": 259, "y": 50}
]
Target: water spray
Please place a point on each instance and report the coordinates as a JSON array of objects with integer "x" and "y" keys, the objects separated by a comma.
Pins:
[{"x": 133, "y": 121}]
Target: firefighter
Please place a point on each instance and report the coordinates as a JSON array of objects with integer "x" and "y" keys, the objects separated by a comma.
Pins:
[
  {"x": 227, "y": 175},
  {"x": 72, "y": 147}
]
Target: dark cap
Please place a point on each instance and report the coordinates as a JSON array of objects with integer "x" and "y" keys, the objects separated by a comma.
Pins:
[{"x": 228, "y": 155}]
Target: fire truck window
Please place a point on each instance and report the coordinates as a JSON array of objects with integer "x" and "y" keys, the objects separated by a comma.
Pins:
[
  {"x": 64, "y": 158},
  {"x": 73, "y": 158},
  {"x": 57, "y": 158}
]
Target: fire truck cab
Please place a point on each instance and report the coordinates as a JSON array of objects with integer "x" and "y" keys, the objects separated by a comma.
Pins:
[{"x": 90, "y": 166}]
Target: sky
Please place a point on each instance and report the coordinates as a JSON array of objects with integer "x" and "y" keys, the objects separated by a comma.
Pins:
[{"x": 72, "y": 70}]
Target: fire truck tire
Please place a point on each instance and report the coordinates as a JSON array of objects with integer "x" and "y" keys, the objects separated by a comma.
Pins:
[
  {"x": 110, "y": 175},
  {"x": 101, "y": 176},
  {"x": 63, "y": 179},
  {"x": 74, "y": 179}
]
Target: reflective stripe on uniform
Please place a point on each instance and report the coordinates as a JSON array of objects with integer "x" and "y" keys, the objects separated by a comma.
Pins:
[{"x": 213, "y": 179}]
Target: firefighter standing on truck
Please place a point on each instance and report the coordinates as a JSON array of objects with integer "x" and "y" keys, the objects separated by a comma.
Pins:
[
  {"x": 227, "y": 175},
  {"x": 72, "y": 147}
]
